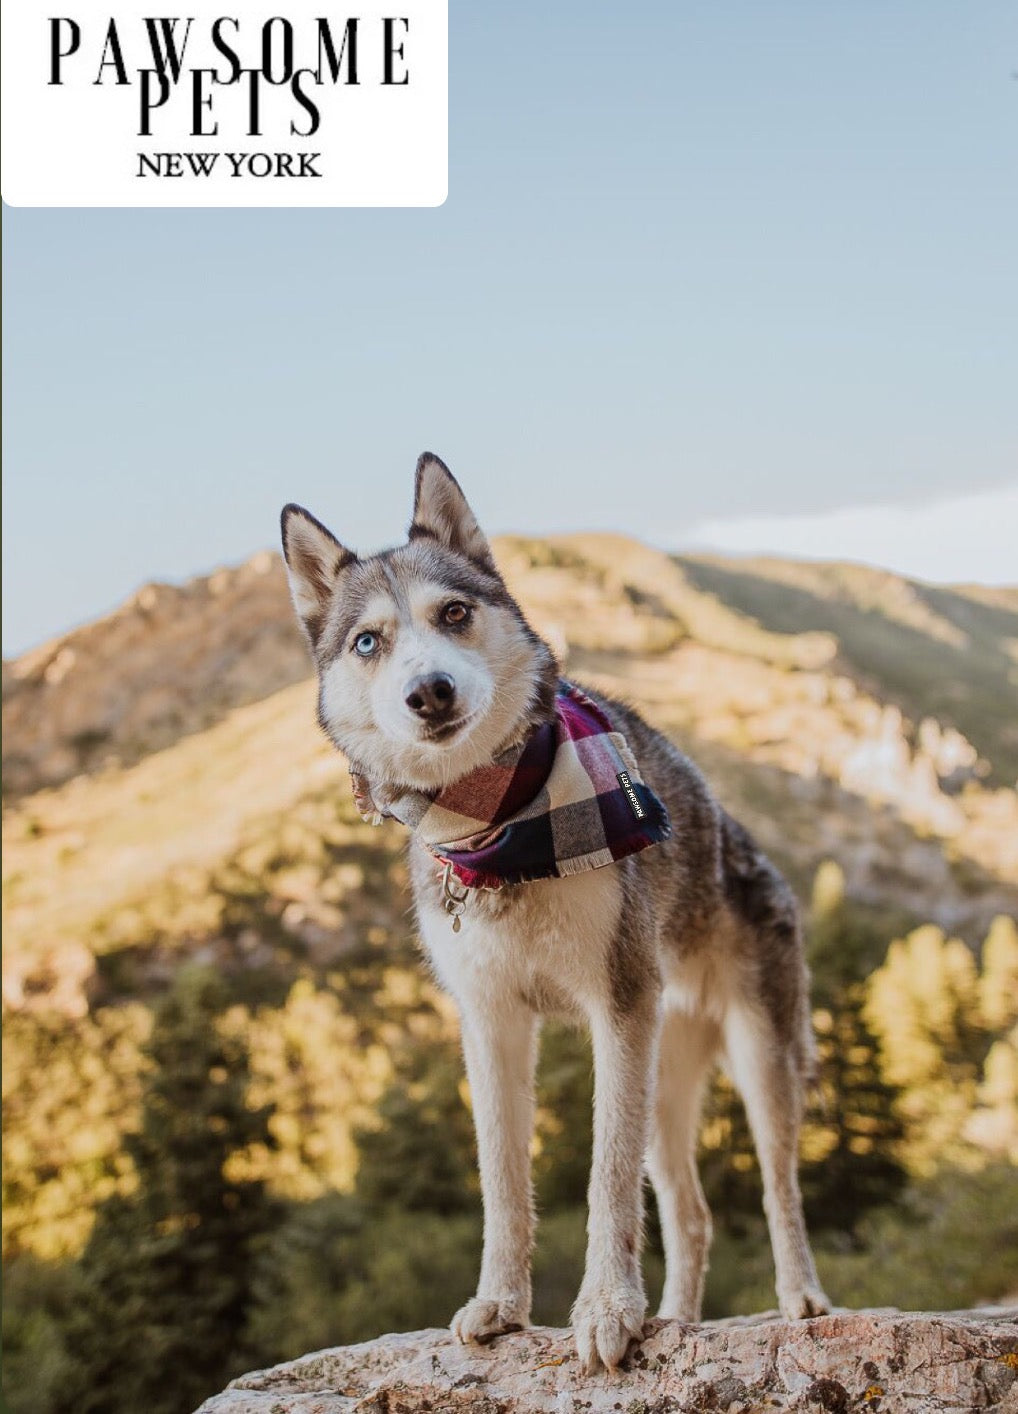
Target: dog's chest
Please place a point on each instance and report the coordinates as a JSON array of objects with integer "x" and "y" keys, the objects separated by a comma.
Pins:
[{"x": 546, "y": 942}]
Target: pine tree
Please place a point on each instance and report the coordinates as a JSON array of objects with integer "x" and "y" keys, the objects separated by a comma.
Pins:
[
  {"x": 420, "y": 1157},
  {"x": 851, "y": 1156},
  {"x": 729, "y": 1170},
  {"x": 850, "y": 1161},
  {"x": 998, "y": 980},
  {"x": 565, "y": 1100},
  {"x": 165, "y": 1278},
  {"x": 949, "y": 1039}
]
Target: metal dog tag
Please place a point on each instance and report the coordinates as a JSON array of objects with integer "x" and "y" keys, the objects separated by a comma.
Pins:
[{"x": 453, "y": 903}]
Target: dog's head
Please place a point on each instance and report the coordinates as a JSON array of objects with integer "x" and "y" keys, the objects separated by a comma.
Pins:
[{"x": 427, "y": 667}]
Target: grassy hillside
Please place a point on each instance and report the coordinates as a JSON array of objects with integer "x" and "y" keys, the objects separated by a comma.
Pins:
[{"x": 950, "y": 653}]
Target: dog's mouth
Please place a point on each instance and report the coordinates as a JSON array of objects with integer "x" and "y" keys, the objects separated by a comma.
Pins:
[{"x": 445, "y": 731}]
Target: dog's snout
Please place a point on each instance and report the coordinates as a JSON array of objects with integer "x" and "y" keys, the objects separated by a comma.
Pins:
[{"x": 431, "y": 695}]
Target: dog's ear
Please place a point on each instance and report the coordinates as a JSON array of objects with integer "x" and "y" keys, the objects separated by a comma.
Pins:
[
  {"x": 314, "y": 560},
  {"x": 441, "y": 512}
]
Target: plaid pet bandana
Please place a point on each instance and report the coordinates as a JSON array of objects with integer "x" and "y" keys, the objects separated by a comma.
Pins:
[{"x": 569, "y": 799}]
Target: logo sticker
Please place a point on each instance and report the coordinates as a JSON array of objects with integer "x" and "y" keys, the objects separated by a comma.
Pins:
[{"x": 275, "y": 104}]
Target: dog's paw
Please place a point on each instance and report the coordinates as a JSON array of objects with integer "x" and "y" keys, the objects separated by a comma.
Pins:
[
  {"x": 800, "y": 1304},
  {"x": 604, "y": 1323},
  {"x": 481, "y": 1320}
]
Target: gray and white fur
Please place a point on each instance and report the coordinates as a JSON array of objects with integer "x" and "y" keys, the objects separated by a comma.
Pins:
[{"x": 676, "y": 958}]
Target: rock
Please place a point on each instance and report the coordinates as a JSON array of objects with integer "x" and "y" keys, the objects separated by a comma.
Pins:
[
  {"x": 170, "y": 661},
  {"x": 887, "y": 1362}
]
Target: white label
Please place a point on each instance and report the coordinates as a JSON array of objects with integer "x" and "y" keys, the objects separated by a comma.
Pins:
[{"x": 292, "y": 105}]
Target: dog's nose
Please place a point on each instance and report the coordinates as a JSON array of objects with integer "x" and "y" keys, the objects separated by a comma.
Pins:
[{"x": 431, "y": 696}]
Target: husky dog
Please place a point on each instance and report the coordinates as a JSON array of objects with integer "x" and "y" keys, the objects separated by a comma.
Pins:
[{"x": 675, "y": 956}]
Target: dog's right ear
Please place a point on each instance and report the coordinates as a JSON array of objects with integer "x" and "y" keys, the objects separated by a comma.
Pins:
[{"x": 314, "y": 559}]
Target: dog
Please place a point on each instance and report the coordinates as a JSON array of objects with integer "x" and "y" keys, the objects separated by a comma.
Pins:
[{"x": 667, "y": 932}]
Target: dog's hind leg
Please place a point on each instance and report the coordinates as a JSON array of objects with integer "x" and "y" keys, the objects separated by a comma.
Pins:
[
  {"x": 687, "y": 1048},
  {"x": 500, "y": 1046},
  {"x": 770, "y": 1080}
]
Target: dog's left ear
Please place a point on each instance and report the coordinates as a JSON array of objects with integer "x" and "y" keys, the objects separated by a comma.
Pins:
[{"x": 441, "y": 512}]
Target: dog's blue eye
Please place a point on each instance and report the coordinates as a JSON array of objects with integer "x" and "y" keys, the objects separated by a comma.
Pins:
[{"x": 365, "y": 644}]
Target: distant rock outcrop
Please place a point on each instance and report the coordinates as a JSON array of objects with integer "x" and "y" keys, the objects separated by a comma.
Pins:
[
  {"x": 888, "y": 1362},
  {"x": 172, "y": 660}
]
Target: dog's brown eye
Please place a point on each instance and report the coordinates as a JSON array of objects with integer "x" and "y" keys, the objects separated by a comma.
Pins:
[{"x": 455, "y": 613}]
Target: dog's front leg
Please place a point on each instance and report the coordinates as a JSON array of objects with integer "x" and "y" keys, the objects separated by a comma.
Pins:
[
  {"x": 610, "y": 1308},
  {"x": 500, "y": 1047}
]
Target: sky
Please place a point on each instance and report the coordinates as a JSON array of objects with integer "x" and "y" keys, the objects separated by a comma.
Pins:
[{"x": 714, "y": 274}]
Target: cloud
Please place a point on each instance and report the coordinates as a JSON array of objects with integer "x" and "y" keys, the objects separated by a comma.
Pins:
[{"x": 967, "y": 539}]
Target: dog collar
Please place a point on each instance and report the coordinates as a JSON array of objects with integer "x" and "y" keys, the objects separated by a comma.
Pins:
[{"x": 569, "y": 799}]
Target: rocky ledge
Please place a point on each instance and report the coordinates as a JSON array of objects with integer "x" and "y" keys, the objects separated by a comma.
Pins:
[{"x": 888, "y": 1362}]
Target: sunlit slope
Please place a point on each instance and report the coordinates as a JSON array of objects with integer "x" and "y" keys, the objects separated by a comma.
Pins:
[{"x": 807, "y": 736}]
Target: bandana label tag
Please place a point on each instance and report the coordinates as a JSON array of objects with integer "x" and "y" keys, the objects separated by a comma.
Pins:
[{"x": 631, "y": 796}]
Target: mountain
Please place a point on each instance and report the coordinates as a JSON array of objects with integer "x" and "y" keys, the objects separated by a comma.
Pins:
[
  {"x": 839, "y": 711},
  {"x": 167, "y": 663}
]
